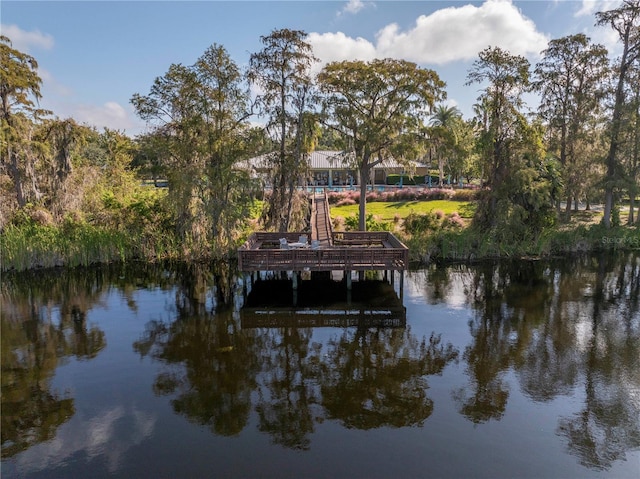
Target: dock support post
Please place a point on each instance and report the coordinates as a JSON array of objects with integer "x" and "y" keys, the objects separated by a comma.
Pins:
[
  {"x": 348, "y": 275},
  {"x": 401, "y": 284},
  {"x": 294, "y": 279},
  {"x": 393, "y": 281}
]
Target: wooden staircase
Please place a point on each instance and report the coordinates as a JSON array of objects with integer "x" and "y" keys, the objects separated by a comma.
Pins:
[{"x": 321, "y": 229}]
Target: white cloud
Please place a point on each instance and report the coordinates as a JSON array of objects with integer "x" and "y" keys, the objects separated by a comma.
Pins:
[
  {"x": 329, "y": 47},
  {"x": 255, "y": 90},
  {"x": 602, "y": 34},
  {"x": 24, "y": 41},
  {"x": 353, "y": 7},
  {"x": 589, "y": 7},
  {"x": 64, "y": 103},
  {"x": 447, "y": 35},
  {"x": 451, "y": 102},
  {"x": 110, "y": 115},
  {"x": 52, "y": 84},
  {"x": 100, "y": 435},
  {"x": 606, "y": 36},
  {"x": 459, "y": 33}
]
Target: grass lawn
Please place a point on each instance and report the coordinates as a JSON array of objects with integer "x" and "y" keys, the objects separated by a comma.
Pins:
[{"x": 385, "y": 211}]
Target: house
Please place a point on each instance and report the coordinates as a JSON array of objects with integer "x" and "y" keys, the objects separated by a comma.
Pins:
[{"x": 336, "y": 168}]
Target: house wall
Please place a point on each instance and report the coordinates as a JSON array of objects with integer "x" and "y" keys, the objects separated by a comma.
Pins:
[{"x": 333, "y": 177}]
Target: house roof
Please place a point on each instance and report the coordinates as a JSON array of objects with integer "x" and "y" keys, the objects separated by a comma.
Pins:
[
  {"x": 325, "y": 160},
  {"x": 328, "y": 159}
]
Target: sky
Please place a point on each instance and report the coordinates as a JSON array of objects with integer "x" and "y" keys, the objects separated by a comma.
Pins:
[{"x": 93, "y": 56}]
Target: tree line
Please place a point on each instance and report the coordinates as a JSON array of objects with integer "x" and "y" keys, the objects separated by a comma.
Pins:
[{"x": 582, "y": 143}]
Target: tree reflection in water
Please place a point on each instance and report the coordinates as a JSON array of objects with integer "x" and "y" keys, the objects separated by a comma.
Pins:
[
  {"x": 609, "y": 423},
  {"x": 211, "y": 375},
  {"x": 546, "y": 329},
  {"x": 557, "y": 325},
  {"x": 364, "y": 378},
  {"x": 288, "y": 392},
  {"x": 377, "y": 377},
  {"x": 43, "y": 322},
  {"x": 211, "y": 365},
  {"x": 507, "y": 302}
]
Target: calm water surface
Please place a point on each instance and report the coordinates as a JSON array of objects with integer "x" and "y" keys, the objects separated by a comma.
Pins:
[{"x": 527, "y": 369}]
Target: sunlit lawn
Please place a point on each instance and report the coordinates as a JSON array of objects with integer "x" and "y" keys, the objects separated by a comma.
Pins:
[{"x": 386, "y": 211}]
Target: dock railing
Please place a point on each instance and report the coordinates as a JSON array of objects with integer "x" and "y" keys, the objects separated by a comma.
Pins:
[{"x": 351, "y": 251}]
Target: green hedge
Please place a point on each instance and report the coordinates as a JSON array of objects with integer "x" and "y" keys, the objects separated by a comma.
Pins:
[{"x": 394, "y": 179}]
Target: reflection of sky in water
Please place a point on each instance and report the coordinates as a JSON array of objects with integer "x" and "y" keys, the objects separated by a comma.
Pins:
[
  {"x": 418, "y": 285},
  {"x": 110, "y": 434}
]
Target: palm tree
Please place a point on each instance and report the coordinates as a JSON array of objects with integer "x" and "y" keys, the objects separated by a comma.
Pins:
[
  {"x": 481, "y": 111},
  {"x": 443, "y": 133}
]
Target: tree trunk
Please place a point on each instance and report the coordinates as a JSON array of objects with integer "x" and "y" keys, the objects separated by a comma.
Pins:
[
  {"x": 290, "y": 193},
  {"x": 362, "y": 209},
  {"x": 608, "y": 206},
  {"x": 283, "y": 211},
  {"x": 615, "y": 133},
  {"x": 280, "y": 202},
  {"x": 14, "y": 173}
]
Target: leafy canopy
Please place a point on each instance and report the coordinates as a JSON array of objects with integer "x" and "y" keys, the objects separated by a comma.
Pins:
[{"x": 378, "y": 107}]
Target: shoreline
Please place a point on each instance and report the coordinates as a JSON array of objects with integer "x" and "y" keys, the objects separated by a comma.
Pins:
[{"x": 444, "y": 247}]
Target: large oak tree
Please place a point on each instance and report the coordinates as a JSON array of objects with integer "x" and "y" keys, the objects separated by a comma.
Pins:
[{"x": 378, "y": 107}]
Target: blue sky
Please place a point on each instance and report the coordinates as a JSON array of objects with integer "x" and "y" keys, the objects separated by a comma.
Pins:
[{"x": 94, "y": 55}]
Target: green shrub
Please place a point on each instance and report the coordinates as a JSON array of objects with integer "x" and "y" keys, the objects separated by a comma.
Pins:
[
  {"x": 394, "y": 179},
  {"x": 352, "y": 223},
  {"x": 466, "y": 194},
  {"x": 416, "y": 224}
]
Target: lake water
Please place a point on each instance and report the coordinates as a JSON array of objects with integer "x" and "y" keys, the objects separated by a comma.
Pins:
[{"x": 496, "y": 370}]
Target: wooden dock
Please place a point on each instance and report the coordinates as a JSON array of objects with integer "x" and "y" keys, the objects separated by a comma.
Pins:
[
  {"x": 328, "y": 250},
  {"x": 349, "y": 251}
]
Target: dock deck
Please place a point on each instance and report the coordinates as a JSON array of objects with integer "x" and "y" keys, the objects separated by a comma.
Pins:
[
  {"x": 349, "y": 251},
  {"x": 333, "y": 251}
]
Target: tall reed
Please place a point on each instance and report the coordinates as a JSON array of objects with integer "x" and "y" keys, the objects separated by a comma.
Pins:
[{"x": 43, "y": 246}]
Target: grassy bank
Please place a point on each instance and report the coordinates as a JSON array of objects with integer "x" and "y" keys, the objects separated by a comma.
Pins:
[
  {"x": 42, "y": 246},
  {"x": 470, "y": 245},
  {"x": 392, "y": 211},
  {"x": 34, "y": 246},
  {"x": 433, "y": 230},
  {"x": 35, "y": 241},
  {"x": 427, "y": 229}
]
